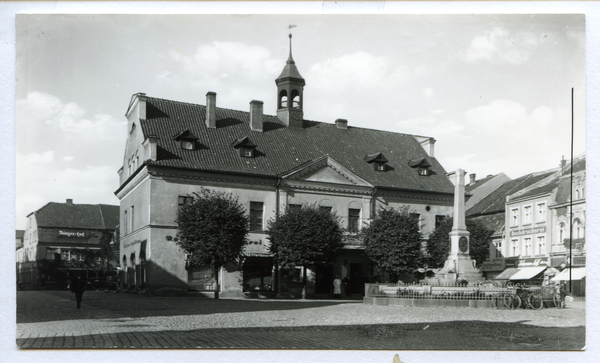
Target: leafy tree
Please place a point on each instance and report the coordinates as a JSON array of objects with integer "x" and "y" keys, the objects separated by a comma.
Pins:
[
  {"x": 212, "y": 230},
  {"x": 438, "y": 245},
  {"x": 304, "y": 236},
  {"x": 393, "y": 241}
]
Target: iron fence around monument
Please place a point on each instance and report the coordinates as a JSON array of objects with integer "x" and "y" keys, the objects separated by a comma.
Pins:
[{"x": 433, "y": 292}]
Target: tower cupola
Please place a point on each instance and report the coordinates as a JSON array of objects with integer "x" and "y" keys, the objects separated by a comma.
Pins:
[{"x": 290, "y": 87}]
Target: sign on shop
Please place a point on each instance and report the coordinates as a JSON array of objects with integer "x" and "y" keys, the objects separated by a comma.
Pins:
[
  {"x": 129, "y": 244},
  {"x": 532, "y": 262},
  {"x": 491, "y": 265},
  {"x": 71, "y": 234},
  {"x": 524, "y": 231}
]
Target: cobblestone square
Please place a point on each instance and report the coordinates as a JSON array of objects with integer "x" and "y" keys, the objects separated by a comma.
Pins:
[{"x": 50, "y": 320}]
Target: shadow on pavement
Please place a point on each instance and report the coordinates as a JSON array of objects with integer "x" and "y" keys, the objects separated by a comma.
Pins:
[
  {"x": 452, "y": 335},
  {"x": 44, "y": 306}
]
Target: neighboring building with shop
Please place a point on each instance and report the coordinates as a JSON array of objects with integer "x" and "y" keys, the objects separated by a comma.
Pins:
[
  {"x": 530, "y": 218},
  {"x": 570, "y": 259},
  {"x": 269, "y": 163},
  {"x": 491, "y": 211},
  {"x": 57, "y": 239}
]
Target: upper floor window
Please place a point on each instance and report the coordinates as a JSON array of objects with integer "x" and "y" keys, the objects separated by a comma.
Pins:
[
  {"x": 378, "y": 161},
  {"x": 527, "y": 214},
  {"x": 294, "y": 206},
  {"x": 132, "y": 218},
  {"x": 181, "y": 201},
  {"x": 498, "y": 248},
  {"x": 514, "y": 245},
  {"x": 438, "y": 220},
  {"x": 353, "y": 220},
  {"x": 125, "y": 227},
  {"x": 514, "y": 217},
  {"x": 541, "y": 212},
  {"x": 422, "y": 166},
  {"x": 541, "y": 245},
  {"x": 187, "y": 140},
  {"x": 256, "y": 216},
  {"x": 528, "y": 250},
  {"x": 245, "y": 146},
  {"x": 326, "y": 208},
  {"x": 417, "y": 218}
]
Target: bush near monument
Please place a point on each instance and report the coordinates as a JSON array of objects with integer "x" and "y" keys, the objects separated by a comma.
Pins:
[
  {"x": 438, "y": 246},
  {"x": 393, "y": 242}
]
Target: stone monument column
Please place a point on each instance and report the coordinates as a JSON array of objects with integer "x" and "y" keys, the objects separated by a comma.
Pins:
[{"x": 459, "y": 264}]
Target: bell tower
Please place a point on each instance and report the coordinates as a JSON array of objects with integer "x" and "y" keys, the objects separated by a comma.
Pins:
[{"x": 290, "y": 98}]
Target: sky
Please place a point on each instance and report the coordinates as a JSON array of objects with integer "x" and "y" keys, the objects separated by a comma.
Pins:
[{"x": 493, "y": 90}]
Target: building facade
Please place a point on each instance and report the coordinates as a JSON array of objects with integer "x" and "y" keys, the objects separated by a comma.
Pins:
[
  {"x": 60, "y": 240},
  {"x": 530, "y": 217},
  {"x": 269, "y": 163}
]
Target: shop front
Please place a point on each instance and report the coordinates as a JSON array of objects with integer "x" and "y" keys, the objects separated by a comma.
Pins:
[{"x": 528, "y": 271}]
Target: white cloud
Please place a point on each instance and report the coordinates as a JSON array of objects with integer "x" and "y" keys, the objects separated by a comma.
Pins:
[
  {"x": 339, "y": 84},
  {"x": 50, "y": 133},
  {"x": 428, "y": 92},
  {"x": 500, "y": 46}
]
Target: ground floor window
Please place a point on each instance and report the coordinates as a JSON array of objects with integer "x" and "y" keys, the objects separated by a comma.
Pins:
[
  {"x": 201, "y": 278},
  {"x": 258, "y": 274}
]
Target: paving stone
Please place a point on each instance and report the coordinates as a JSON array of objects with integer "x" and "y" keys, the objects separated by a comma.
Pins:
[{"x": 48, "y": 319}]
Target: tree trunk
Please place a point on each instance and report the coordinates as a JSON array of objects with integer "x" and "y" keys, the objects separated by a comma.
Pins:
[
  {"x": 217, "y": 287},
  {"x": 303, "y": 282}
]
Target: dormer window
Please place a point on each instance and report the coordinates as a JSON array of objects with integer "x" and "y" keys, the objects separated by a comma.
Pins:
[
  {"x": 422, "y": 166},
  {"x": 245, "y": 146},
  {"x": 187, "y": 140},
  {"x": 378, "y": 161}
]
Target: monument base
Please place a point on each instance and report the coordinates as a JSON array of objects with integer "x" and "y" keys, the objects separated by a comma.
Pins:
[{"x": 460, "y": 267}]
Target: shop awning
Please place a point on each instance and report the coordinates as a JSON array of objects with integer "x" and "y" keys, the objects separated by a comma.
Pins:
[
  {"x": 506, "y": 274},
  {"x": 527, "y": 273},
  {"x": 574, "y": 274}
]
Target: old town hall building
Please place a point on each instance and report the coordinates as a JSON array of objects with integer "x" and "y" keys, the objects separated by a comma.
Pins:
[{"x": 270, "y": 162}]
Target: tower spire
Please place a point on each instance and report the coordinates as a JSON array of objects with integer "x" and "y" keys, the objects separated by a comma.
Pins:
[
  {"x": 290, "y": 59},
  {"x": 290, "y": 86}
]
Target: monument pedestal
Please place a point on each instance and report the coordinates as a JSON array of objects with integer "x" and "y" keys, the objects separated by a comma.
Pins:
[{"x": 459, "y": 265}]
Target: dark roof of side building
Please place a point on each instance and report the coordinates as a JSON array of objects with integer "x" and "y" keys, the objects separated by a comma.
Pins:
[
  {"x": 478, "y": 183},
  {"x": 496, "y": 200},
  {"x": 85, "y": 216},
  {"x": 280, "y": 149},
  {"x": 493, "y": 222}
]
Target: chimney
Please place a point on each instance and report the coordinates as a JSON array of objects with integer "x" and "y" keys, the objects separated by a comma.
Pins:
[
  {"x": 341, "y": 124},
  {"x": 211, "y": 110},
  {"x": 256, "y": 115},
  {"x": 69, "y": 201},
  {"x": 427, "y": 145},
  {"x": 472, "y": 178},
  {"x": 563, "y": 164}
]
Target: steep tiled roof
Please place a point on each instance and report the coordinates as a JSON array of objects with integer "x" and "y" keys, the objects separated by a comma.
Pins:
[
  {"x": 88, "y": 216},
  {"x": 280, "y": 149},
  {"x": 469, "y": 187},
  {"x": 495, "y": 201},
  {"x": 493, "y": 222}
]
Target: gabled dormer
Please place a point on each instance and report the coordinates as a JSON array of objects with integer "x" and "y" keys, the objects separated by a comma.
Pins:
[
  {"x": 378, "y": 161},
  {"x": 187, "y": 140},
  {"x": 245, "y": 146},
  {"x": 422, "y": 166}
]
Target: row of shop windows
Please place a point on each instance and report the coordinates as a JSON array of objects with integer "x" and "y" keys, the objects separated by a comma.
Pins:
[{"x": 66, "y": 254}]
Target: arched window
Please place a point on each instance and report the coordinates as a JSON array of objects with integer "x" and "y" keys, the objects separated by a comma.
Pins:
[
  {"x": 295, "y": 99},
  {"x": 124, "y": 267},
  {"x": 578, "y": 230},
  {"x": 283, "y": 99},
  {"x": 561, "y": 232}
]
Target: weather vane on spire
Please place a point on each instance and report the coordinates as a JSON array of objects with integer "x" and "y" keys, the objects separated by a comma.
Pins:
[{"x": 290, "y": 28}]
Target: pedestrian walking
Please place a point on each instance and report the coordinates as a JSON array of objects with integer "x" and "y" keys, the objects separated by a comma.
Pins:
[
  {"x": 78, "y": 287},
  {"x": 337, "y": 287}
]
